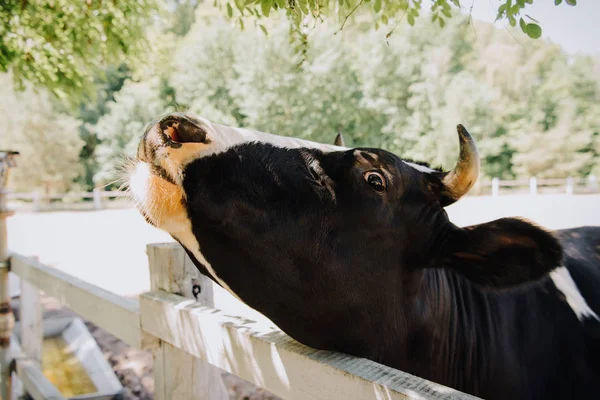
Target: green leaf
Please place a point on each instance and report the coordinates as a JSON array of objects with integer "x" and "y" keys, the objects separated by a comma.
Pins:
[
  {"x": 384, "y": 19},
  {"x": 229, "y": 10},
  {"x": 512, "y": 21},
  {"x": 442, "y": 22},
  {"x": 534, "y": 31},
  {"x": 262, "y": 28},
  {"x": 557, "y": 2},
  {"x": 571, "y": 2},
  {"x": 523, "y": 25},
  {"x": 281, "y": 3},
  {"x": 410, "y": 19},
  {"x": 265, "y": 6},
  {"x": 302, "y": 5},
  {"x": 377, "y": 5},
  {"x": 501, "y": 11},
  {"x": 447, "y": 13}
]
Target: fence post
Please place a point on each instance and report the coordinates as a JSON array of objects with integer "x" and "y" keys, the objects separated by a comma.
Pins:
[
  {"x": 533, "y": 185},
  {"x": 569, "y": 185},
  {"x": 97, "y": 199},
  {"x": 495, "y": 187},
  {"x": 37, "y": 201},
  {"x": 592, "y": 183},
  {"x": 7, "y": 319},
  {"x": 178, "y": 375},
  {"x": 32, "y": 329},
  {"x": 478, "y": 186}
]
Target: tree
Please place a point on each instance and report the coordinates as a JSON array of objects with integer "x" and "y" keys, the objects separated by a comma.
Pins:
[
  {"x": 299, "y": 12},
  {"x": 48, "y": 141},
  {"x": 404, "y": 94},
  {"x": 119, "y": 130},
  {"x": 62, "y": 44}
]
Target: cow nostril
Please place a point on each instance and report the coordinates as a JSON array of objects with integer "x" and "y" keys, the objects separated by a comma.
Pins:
[
  {"x": 169, "y": 127},
  {"x": 182, "y": 130}
]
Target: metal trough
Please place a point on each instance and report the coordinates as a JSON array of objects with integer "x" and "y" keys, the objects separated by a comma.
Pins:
[{"x": 80, "y": 342}]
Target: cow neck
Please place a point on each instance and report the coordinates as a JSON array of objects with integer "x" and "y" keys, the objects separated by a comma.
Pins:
[{"x": 458, "y": 330}]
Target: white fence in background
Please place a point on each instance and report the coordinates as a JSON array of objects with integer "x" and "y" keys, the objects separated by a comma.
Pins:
[
  {"x": 192, "y": 341},
  {"x": 98, "y": 199},
  {"x": 534, "y": 186}
]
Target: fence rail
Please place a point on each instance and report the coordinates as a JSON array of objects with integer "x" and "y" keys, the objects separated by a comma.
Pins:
[
  {"x": 533, "y": 185},
  {"x": 95, "y": 200},
  {"x": 189, "y": 334}
]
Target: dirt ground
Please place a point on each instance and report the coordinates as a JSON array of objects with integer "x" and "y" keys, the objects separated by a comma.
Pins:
[{"x": 133, "y": 367}]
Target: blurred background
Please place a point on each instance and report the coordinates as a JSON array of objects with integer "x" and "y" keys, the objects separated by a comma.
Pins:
[{"x": 533, "y": 107}]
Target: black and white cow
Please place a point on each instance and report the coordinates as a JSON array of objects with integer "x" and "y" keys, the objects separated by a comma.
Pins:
[{"x": 351, "y": 250}]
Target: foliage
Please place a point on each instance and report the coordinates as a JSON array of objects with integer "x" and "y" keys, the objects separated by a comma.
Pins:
[
  {"x": 106, "y": 83},
  {"x": 48, "y": 141},
  {"x": 61, "y": 44},
  {"x": 532, "y": 109},
  {"x": 120, "y": 128},
  {"x": 383, "y": 12}
]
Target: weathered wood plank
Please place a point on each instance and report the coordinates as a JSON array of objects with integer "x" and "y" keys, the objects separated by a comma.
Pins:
[
  {"x": 264, "y": 355},
  {"x": 177, "y": 374},
  {"x": 115, "y": 314},
  {"x": 32, "y": 329},
  {"x": 82, "y": 344}
]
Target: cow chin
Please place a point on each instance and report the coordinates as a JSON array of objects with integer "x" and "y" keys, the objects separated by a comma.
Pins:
[{"x": 161, "y": 202}]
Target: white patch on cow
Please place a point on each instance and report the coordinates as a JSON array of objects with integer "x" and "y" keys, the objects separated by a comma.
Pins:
[
  {"x": 564, "y": 282},
  {"x": 224, "y": 137},
  {"x": 161, "y": 202},
  {"x": 419, "y": 167},
  {"x": 139, "y": 180}
]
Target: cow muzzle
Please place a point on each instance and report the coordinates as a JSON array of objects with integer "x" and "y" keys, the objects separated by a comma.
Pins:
[
  {"x": 171, "y": 142},
  {"x": 172, "y": 131}
]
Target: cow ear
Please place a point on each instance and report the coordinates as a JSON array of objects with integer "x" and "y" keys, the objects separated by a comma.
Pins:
[{"x": 503, "y": 253}]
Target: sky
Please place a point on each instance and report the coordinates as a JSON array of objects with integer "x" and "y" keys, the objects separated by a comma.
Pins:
[{"x": 576, "y": 29}]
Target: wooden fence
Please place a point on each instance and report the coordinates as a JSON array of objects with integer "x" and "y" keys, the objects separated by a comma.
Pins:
[
  {"x": 98, "y": 199},
  {"x": 535, "y": 186},
  {"x": 192, "y": 341}
]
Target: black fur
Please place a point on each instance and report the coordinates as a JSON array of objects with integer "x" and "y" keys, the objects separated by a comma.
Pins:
[{"x": 388, "y": 277}]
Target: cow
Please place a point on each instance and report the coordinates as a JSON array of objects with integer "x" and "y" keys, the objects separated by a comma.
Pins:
[{"x": 351, "y": 250}]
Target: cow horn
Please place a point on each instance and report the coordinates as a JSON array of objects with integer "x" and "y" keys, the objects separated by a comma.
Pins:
[
  {"x": 464, "y": 175},
  {"x": 339, "y": 140}
]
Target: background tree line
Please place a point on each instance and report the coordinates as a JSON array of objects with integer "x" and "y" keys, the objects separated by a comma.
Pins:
[{"x": 534, "y": 110}]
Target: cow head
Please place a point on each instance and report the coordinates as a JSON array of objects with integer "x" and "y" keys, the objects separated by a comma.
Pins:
[{"x": 289, "y": 225}]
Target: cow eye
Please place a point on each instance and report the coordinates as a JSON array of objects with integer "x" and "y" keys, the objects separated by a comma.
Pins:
[{"x": 376, "y": 180}]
